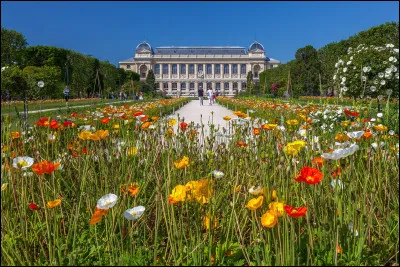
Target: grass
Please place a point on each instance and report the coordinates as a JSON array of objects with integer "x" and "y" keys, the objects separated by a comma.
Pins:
[{"x": 174, "y": 233}]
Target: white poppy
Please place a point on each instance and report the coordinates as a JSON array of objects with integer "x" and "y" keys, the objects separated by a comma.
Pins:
[
  {"x": 391, "y": 59},
  {"x": 22, "y": 163},
  {"x": 217, "y": 174},
  {"x": 380, "y": 74},
  {"x": 373, "y": 88},
  {"x": 338, "y": 144},
  {"x": 375, "y": 145},
  {"x": 341, "y": 152},
  {"x": 344, "y": 69},
  {"x": 134, "y": 213},
  {"x": 256, "y": 191},
  {"x": 391, "y": 132},
  {"x": 383, "y": 82},
  {"x": 365, "y": 69},
  {"x": 348, "y": 62},
  {"x": 107, "y": 201},
  {"x": 355, "y": 135},
  {"x": 303, "y": 132},
  {"x": 379, "y": 115}
]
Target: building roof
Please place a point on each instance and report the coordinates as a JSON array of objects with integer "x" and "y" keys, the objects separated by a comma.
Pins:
[
  {"x": 256, "y": 46},
  {"x": 144, "y": 47},
  {"x": 131, "y": 59},
  {"x": 200, "y": 50}
]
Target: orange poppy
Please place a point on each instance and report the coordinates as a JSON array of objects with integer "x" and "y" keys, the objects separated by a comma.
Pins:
[
  {"x": 256, "y": 131},
  {"x": 45, "y": 167},
  {"x": 341, "y": 137},
  {"x": 138, "y": 113},
  {"x": 336, "y": 173},
  {"x": 145, "y": 125},
  {"x": 351, "y": 113},
  {"x": 295, "y": 212},
  {"x": 53, "y": 124},
  {"x": 54, "y": 203},
  {"x": 105, "y": 120},
  {"x": 241, "y": 144},
  {"x": 367, "y": 135},
  {"x": 309, "y": 175},
  {"x": 144, "y": 118},
  {"x": 43, "y": 122},
  {"x": 15, "y": 135},
  {"x": 318, "y": 161},
  {"x": 133, "y": 189},
  {"x": 98, "y": 215},
  {"x": 183, "y": 125}
]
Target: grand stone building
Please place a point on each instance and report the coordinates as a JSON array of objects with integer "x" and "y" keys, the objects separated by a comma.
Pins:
[{"x": 181, "y": 70}]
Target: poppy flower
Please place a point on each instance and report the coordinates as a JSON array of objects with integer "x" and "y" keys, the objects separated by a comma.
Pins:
[
  {"x": 269, "y": 219},
  {"x": 73, "y": 114},
  {"x": 351, "y": 113},
  {"x": 241, "y": 144},
  {"x": 341, "y": 137},
  {"x": 15, "y": 135},
  {"x": 54, "y": 203},
  {"x": 178, "y": 194},
  {"x": 84, "y": 151},
  {"x": 144, "y": 118},
  {"x": 133, "y": 189},
  {"x": 4, "y": 186},
  {"x": 45, "y": 167},
  {"x": 68, "y": 123},
  {"x": 105, "y": 120},
  {"x": 277, "y": 208},
  {"x": 44, "y": 122},
  {"x": 380, "y": 128},
  {"x": 341, "y": 152},
  {"x": 217, "y": 174},
  {"x": 256, "y": 131},
  {"x": 53, "y": 124},
  {"x": 292, "y": 122},
  {"x": 295, "y": 212},
  {"x": 355, "y": 135},
  {"x": 227, "y": 118},
  {"x": 336, "y": 173},
  {"x": 255, "y": 203},
  {"x": 22, "y": 163},
  {"x": 107, "y": 201},
  {"x": 293, "y": 148},
  {"x": 172, "y": 122},
  {"x": 98, "y": 215},
  {"x": 84, "y": 135},
  {"x": 202, "y": 191},
  {"x": 132, "y": 151},
  {"x": 318, "y": 161},
  {"x": 269, "y": 126},
  {"x": 134, "y": 213},
  {"x": 33, "y": 206},
  {"x": 309, "y": 175},
  {"x": 183, "y": 125},
  {"x": 138, "y": 113},
  {"x": 182, "y": 163},
  {"x": 256, "y": 191}
]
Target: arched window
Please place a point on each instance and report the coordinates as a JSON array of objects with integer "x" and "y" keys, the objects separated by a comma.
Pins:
[
  {"x": 243, "y": 85},
  {"x": 218, "y": 86},
  {"x": 157, "y": 69}
]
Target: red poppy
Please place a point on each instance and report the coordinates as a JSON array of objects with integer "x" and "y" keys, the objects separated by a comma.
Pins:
[
  {"x": 44, "y": 167},
  {"x": 43, "y": 122},
  {"x": 351, "y": 113},
  {"x": 67, "y": 123},
  {"x": 256, "y": 131},
  {"x": 123, "y": 117},
  {"x": 53, "y": 124},
  {"x": 33, "y": 206},
  {"x": 73, "y": 114},
  {"x": 367, "y": 120},
  {"x": 105, "y": 120},
  {"x": 367, "y": 135},
  {"x": 75, "y": 154},
  {"x": 144, "y": 118},
  {"x": 309, "y": 175},
  {"x": 241, "y": 144},
  {"x": 295, "y": 212},
  {"x": 183, "y": 125},
  {"x": 336, "y": 173},
  {"x": 84, "y": 150},
  {"x": 138, "y": 113}
]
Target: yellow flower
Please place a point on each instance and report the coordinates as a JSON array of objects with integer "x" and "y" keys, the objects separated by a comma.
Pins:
[
  {"x": 380, "y": 128},
  {"x": 15, "y": 135},
  {"x": 236, "y": 189},
  {"x": 182, "y": 163},
  {"x": 115, "y": 126},
  {"x": 269, "y": 126},
  {"x": 274, "y": 196},
  {"x": 302, "y": 116},
  {"x": 54, "y": 203},
  {"x": 84, "y": 135},
  {"x": 132, "y": 151},
  {"x": 255, "y": 203},
  {"x": 227, "y": 118},
  {"x": 178, "y": 194},
  {"x": 102, "y": 133},
  {"x": 293, "y": 148},
  {"x": 269, "y": 219},
  {"x": 277, "y": 208},
  {"x": 203, "y": 191},
  {"x": 207, "y": 222},
  {"x": 292, "y": 122},
  {"x": 345, "y": 123},
  {"x": 172, "y": 122},
  {"x": 4, "y": 186}
]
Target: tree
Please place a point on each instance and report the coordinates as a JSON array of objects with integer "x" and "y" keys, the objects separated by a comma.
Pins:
[
  {"x": 50, "y": 75},
  {"x": 151, "y": 81},
  {"x": 249, "y": 80},
  {"x": 12, "y": 43},
  {"x": 13, "y": 82}
]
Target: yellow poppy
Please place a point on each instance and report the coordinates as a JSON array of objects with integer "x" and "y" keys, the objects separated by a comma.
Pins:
[
  {"x": 54, "y": 203},
  {"x": 255, "y": 203},
  {"x": 277, "y": 208},
  {"x": 269, "y": 219}
]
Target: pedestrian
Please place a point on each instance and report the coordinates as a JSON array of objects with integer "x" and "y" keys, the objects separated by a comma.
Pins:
[
  {"x": 125, "y": 96},
  {"x": 121, "y": 93},
  {"x": 136, "y": 96},
  {"x": 66, "y": 92},
  {"x": 201, "y": 94},
  {"x": 213, "y": 97},
  {"x": 140, "y": 96},
  {"x": 209, "y": 95}
]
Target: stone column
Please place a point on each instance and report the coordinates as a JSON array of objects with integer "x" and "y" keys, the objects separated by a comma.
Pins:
[
  {"x": 239, "y": 86},
  {"x": 169, "y": 71},
  {"x": 170, "y": 87},
  {"x": 195, "y": 72},
  {"x": 231, "y": 88},
  {"x": 187, "y": 87},
  {"x": 187, "y": 71},
  {"x": 178, "y": 71},
  {"x": 196, "y": 86},
  {"x": 178, "y": 87},
  {"x": 213, "y": 86},
  {"x": 161, "y": 86},
  {"x": 161, "y": 70},
  {"x": 230, "y": 70}
]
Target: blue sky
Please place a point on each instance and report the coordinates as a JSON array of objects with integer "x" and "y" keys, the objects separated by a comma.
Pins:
[{"x": 111, "y": 30}]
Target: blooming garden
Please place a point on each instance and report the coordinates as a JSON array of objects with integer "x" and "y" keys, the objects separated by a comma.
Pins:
[{"x": 279, "y": 184}]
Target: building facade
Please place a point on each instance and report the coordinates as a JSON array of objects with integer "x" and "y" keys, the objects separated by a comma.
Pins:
[{"x": 183, "y": 70}]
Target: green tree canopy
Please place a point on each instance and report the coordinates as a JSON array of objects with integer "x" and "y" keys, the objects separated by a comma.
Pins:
[{"x": 12, "y": 43}]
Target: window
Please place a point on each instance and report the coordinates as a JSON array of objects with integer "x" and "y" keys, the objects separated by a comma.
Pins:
[
  {"x": 199, "y": 67},
  {"x": 217, "y": 69},
  {"x": 174, "y": 86},
  {"x": 165, "y": 85},
  {"x": 165, "y": 68},
  {"x": 183, "y": 86},
  {"x": 174, "y": 69},
  {"x": 234, "y": 68},
  {"x": 226, "y": 68},
  {"x": 235, "y": 86},
  {"x": 209, "y": 68},
  {"x": 217, "y": 86},
  {"x": 226, "y": 86},
  {"x": 143, "y": 75},
  {"x": 191, "y": 68},
  {"x": 209, "y": 85},
  {"x": 191, "y": 85},
  {"x": 157, "y": 69},
  {"x": 256, "y": 74},
  {"x": 128, "y": 67},
  {"x": 183, "y": 68},
  {"x": 243, "y": 85},
  {"x": 158, "y": 86},
  {"x": 243, "y": 69}
]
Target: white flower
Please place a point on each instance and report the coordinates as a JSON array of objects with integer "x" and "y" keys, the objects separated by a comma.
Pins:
[
  {"x": 396, "y": 50},
  {"x": 334, "y": 77},
  {"x": 393, "y": 68},
  {"x": 391, "y": 132},
  {"x": 373, "y": 88},
  {"x": 389, "y": 92},
  {"x": 337, "y": 183},
  {"x": 22, "y": 163},
  {"x": 351, "y": 227},
  {"x": 341, "y": 152},
  {"x": 107, "y": 201},
  {"x": 375, "y": 145},
  {"x": 336, "y": 65},
  {"x": 351, "y": 58},
  {"x": 87, "y": 128},
  {"x": 256, "y": 191},
  {"x": 355, "y": 135},
  {"x": 379, "y": 115},
  {"x": 344, "y": 88},
  {"x": 343, "y": 79},
  {"x": 365, "y": 69},
  {"x": 217, "y": 174},
  {"x": 383, "y": 82},
  {"x": 348, "y": 62},
  {"x": 376, "y": 81},
  {"x": 344, "y": 69},
  {"x": 363, "y": 78},
  {"x": 134, "y": 213},
  {"x": 391, "y": 59}
]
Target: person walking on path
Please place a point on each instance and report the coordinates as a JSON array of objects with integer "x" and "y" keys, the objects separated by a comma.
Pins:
[
  {"x": 140, "y": 96},
  {"x": 210, "y": 95},
  {"x": 66, "y": 92},
  {"x": 201, "y": 94}
]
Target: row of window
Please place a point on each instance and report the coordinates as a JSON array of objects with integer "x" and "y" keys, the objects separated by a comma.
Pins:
[
  {"x": 200, "y": 67},
  {"x": 200, "y": 85}
]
